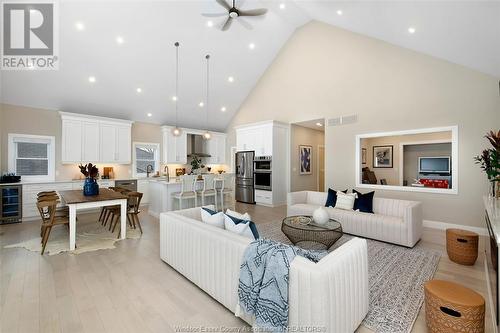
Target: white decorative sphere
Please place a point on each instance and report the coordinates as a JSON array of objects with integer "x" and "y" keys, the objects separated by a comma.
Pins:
[{"x": 320, "y": 215}]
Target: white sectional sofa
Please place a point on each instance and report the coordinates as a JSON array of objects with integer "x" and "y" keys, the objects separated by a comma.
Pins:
[
  {"x": 394, "y": 221},
  {"x": 319, "y": 295}
]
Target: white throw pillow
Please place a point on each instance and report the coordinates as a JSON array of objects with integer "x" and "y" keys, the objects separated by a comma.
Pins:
[
  {"x": 245, "y": 216},
  {"x": 242, "y": 229},
  {"x": 345, "y": 200},
  {"x": 217, "y": 219}
]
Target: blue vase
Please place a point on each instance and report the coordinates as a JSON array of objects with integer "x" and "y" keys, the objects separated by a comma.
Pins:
[{"x": 90, "y": 187}]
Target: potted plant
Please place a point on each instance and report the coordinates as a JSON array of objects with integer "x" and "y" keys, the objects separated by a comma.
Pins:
[
  {"x": 196, "y": 165},
  {"x": 90, "y": 171},
  {"x": 489, "y": 161}
]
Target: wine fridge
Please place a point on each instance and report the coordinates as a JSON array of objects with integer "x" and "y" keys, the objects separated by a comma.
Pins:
[{"x": 11, "y": 202}]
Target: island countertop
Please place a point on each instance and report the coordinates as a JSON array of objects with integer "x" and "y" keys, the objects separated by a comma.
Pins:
[{"x": 492, "y": 207}]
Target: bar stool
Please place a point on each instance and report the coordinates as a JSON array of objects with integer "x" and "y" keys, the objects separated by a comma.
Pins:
[
  {"x": 208, "y": 189},
  {"x": 226, "y": 187},
  {"x": 188, "y": 190}
]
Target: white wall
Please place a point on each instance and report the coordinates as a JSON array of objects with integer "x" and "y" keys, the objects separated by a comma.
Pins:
[{"x": 325, "y": 72}]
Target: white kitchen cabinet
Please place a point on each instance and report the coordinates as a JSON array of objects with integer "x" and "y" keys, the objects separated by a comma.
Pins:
[
  {"x": 107, "y": 139},
  {"x": 72, "y": 131},
  {"x": 90, "y": 144},
  {"x": 95, "y": 139},
  {"x": 258, "y": 137},
  {"x": 143, "y": 187},
  {"x": 216, "y": 147},
  {"x": 263, "y": 197},
  {"x": 174, "y": 147}
]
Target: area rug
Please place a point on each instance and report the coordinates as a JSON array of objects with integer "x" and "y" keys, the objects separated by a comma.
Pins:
[
  {"x": 396, "y": 280},
  {"x": 90, "y": 236}
]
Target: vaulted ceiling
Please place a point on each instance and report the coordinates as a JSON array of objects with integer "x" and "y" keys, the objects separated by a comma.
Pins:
[{"x": 130, "y": 45}]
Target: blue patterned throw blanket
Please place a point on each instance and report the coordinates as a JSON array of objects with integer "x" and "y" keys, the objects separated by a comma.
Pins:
[{"x": 263, "y": 284}]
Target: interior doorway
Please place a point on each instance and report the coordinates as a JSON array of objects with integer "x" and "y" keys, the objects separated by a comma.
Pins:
[
  {"x": 307, "y": 156},
  {"x": 321, "y": 168}
]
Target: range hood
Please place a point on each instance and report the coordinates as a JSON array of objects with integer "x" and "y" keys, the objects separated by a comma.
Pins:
[{"x": 196, "y": 146}]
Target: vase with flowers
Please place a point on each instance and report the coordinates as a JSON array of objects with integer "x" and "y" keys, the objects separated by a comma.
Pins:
[
  {"x": 489, "y": 160},
  {"x": 90, "y": 171}
]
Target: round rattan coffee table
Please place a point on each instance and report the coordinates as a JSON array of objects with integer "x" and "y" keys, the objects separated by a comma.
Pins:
[{"x": 303, "y": 229}]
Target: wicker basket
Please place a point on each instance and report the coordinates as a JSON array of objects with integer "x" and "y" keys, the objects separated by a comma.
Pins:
[
  {"x": 462, "y": 246},
  {"x": 452, "y": 308}
]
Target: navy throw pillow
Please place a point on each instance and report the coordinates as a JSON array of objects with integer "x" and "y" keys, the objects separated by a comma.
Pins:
[
  {"x": 211, "y": 212},
  {"x": 364, "y": 202},
  {"x": 331, "y": 200},
  {"x": 252, "y": 225}
]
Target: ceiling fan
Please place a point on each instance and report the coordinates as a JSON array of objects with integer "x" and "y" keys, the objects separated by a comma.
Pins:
[{"x": 235, "y": 13}]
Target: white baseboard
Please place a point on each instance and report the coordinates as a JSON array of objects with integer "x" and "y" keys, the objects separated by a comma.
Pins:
[{"x": 444, "y": 226}]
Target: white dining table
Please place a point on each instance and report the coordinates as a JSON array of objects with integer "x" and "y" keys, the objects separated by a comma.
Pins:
[{"x": 75, "y": 200}]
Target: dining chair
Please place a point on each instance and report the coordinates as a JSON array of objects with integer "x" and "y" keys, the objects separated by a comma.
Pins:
[
  {"x": 106, "y": 211},
  {"x": 52, "y": 196},
  {"x": 208, "y": 189},
  {"x": 133, "y": 204},
  {"x": 188, "y": 190},
  {"x": 47, "y": 210}
]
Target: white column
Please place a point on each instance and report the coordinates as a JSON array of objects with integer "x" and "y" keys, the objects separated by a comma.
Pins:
[
  {"x": 72, "y": 226},
  {"x": 123, "y": 215}
]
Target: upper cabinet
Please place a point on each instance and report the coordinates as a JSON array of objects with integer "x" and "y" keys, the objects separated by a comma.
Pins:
[
  {"x": 256, "y": 137},
  {"x": 216, "y": 148},
  {"x": 95, "y": 139},
  {"x": 174, "y": 147}
]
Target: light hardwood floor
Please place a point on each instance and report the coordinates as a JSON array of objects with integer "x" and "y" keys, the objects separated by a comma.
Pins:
[{"x": 129, "y": 289}]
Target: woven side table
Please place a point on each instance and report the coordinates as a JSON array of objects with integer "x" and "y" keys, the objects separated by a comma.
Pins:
[
  {"x": 462, "y": 246},
  {"x": 453, "y": 308}
]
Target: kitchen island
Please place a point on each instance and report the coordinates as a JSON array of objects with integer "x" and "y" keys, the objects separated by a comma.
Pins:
[{"x": 160, "y": 196}]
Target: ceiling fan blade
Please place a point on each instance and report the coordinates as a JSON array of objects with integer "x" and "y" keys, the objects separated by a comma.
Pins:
[
  {"x": 227, "y": 24},
  {"x": 253, "y": 12},
  {"x": 223, "y": 4},
  {"x": 244, "y": 23},
  {"x": 214, "y": 14}
]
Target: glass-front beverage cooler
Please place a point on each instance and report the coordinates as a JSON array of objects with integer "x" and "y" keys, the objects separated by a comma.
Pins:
[{"x": 11, "y": 204}]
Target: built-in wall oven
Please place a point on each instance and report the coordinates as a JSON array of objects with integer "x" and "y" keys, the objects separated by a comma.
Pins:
[{"x": 263, "y": 178}]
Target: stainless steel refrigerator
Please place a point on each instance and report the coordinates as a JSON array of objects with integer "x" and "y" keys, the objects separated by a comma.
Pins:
[{"x": 245, "y": 191}]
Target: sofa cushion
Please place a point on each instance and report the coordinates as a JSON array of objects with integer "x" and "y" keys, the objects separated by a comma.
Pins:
[
  {"x": 302, "y": 209},
  {"x": 242, "y": 227},
  {"x": 345, "y": 200},
  {"x": 212, "y": 217},
  {"x": 240, "y": 216},
  {"x": 364, "y": 202},
  {"x": 331, "y": 200}
]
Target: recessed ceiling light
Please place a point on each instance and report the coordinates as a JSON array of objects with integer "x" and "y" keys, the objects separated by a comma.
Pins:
[
  {"x": 92, "y": 79},
  {"x": 150, "y": 114},
  {"x": 339, "y": 12},
  {"x": 282, "y": 6},
  {"x": 139, "y": 90},
  {"x": 210, "y": 24},
  {"x": 174, "y": 98},
  {"x": 79, "y": 26},
  {"x": 251, "y": 46},
  {"x": 319, "y": 124},
  {"x": 223, "y": 109},
  {"x": 120, "y": 40},
  {"x": 230, "y": 79},
  {"x": 201, "y": 104},
  {"x": 411, "y": 30}
]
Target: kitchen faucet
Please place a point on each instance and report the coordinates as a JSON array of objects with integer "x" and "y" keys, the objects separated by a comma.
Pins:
[
  {"x": 165, "y": 170},
  {"x": 149, "y": 169}
]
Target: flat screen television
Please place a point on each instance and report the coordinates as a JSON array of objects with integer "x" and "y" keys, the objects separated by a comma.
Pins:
[{"x": 435, "y": 164}]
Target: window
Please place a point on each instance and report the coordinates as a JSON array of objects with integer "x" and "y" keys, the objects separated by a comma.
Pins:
[
  {"x": 32, "y": 156},
  {"x": 146, "y": 154}
]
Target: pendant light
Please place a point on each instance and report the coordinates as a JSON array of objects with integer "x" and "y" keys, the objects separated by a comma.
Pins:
[
  {"x": 207, "y": 135},
  {"x": 176, "y": 131}
]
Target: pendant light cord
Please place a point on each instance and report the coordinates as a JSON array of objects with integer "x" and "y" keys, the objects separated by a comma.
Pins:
[
  {"x": 208, "y": 83},
  {"x": 176, "y": 82}
]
